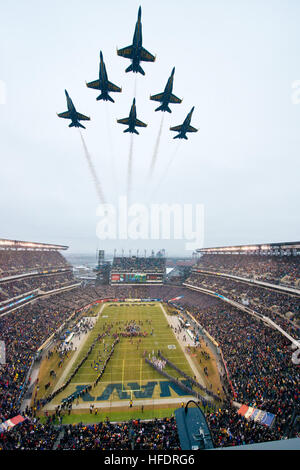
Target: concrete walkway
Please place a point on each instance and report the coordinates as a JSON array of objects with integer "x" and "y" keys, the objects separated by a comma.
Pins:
[{"x": 78, "y": 344}]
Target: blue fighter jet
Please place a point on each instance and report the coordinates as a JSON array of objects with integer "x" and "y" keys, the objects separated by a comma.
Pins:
[
  {"x": 73, "y": 114},
  {"x": 136, "y": 51},
  {"x": 166, "y": 96},
  {"x": 103, "y": 84},
  {"x": 184, "y": 127},
  {"x": 132, "y": 121}
]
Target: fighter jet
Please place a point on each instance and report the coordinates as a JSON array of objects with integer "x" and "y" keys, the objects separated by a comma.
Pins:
[
  {"x": 136, "y": 52},
  {"x": 103, "y": 84},
  {"x": 73, "y": 114},
  {"x": 132, "y": 121},
  {"x": 184, "y": 127},
  {"x": 166, "y": 97}
]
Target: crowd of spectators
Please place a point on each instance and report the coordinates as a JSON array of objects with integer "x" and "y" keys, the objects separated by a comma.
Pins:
[
  {"x": 14, "y": 262},
  {"x": 274, "y": 269},
  {"x": 160, "y": 434},
  {"x": 44, "y": 282},
  {"x": 258, "y": 361},
  {"x": 279, "y": 306},
  {"x": 261, "y": 372},
  {"x": 30, "y": 435},
  {"x": 139, "y": 264}
]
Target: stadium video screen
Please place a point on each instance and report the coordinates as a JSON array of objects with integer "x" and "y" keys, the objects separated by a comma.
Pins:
[{"x": 135, "y": 278}]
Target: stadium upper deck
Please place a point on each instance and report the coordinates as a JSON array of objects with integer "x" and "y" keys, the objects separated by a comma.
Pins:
[
  {"x": 29, "y": 269},
  {"x": 277, "y": 263},
  {"x": 18, "y": 257}
]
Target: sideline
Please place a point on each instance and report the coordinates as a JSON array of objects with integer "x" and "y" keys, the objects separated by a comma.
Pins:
[
  {"x": 79, "y": 348},
  {"x": 173, "y": 321}
]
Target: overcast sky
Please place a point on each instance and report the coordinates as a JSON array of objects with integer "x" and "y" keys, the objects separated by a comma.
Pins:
[{"x": 236, "y": 62}]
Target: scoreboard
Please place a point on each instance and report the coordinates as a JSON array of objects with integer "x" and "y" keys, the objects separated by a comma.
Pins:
[{"x": 136, "y": 278}]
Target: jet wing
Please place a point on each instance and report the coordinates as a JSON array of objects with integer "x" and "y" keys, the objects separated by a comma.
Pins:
[
  {"x": 66, "y": 115},
  {"x": 126, "y": 52},
  {"x": 82, "y": 117},
  {"x": 123, "y": 121},
  {"x": 112, "y": 87},
  {"x": 174, "y": 99},
  {"x": 95, "y": 85},
  {"x": 176, "y": 128},
  {"x": 191, "y": 129},
  {"x": 139, "y": 123},
  {"x": 158, "y": 97},
  {"x": 146, "y": 56}
]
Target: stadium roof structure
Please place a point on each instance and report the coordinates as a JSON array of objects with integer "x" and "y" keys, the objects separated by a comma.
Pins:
[
  {"x": 21, "y": 245},
  {"x": 263, "y": 248}
]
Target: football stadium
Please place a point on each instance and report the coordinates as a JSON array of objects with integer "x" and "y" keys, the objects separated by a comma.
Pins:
[
  {"x": 118, "y": 363},
  {"x": 149, "y": 274}
]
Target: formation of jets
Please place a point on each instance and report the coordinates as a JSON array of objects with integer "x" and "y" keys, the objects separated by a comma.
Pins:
[{"x": 137, "y": 54}]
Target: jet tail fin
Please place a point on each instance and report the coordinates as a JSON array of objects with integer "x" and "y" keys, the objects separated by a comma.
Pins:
[
  {"x": 134, "y": 130},
  {"x": 139, "y": 69},
  {"x": 163, "y": 108},
  {"x": 76, "y": 125},
  {"x": 180, "y": 136},
  {"x": 129, "y": 69},
  {"x": 110, "y": 99},
  {"x": 105, "y": 97}
]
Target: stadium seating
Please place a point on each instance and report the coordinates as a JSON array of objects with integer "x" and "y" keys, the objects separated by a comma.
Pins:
[
  {"x": 258, "y": 359},
  {"x": 275, "y": 269}
]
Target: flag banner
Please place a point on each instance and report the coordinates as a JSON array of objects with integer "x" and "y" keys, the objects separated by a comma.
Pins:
[
  {"x": 176, "y": 298},
  {"x": 10, "y": 423},
  {"x": 259, "y": 416}
]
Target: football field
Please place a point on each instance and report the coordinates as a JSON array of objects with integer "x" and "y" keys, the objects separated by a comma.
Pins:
[{"x": 142, "y": 329}]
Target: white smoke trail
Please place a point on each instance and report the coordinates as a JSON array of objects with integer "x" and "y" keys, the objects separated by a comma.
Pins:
[
  {"x": 135, "y": 87},
  {"x": 167, "y": 169},
  {"x": 129, "y": 170},
  {"x": 93, "y": 171},
  {"x": 156, "y": 147},
  {"x": 111, "y": 146}
]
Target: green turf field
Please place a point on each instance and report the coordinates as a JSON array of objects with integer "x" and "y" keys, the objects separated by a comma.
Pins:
[{"x": 127, "y": 375}]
